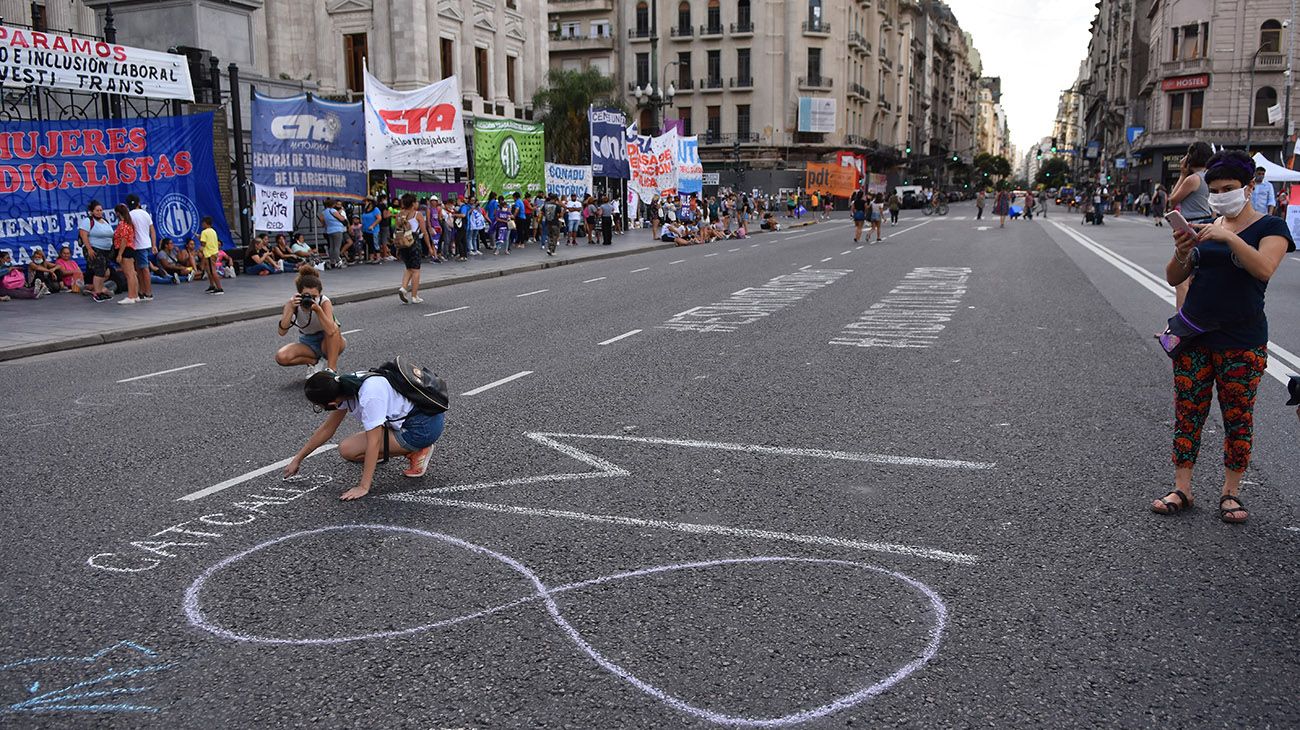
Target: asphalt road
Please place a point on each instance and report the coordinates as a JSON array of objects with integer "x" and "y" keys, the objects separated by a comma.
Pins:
[{"x": 721, "y": 518}]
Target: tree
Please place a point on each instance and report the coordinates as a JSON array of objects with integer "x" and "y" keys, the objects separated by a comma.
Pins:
[
  {"x": 1053, "y": 173},
  {"x": 564, "y": 101},
  {"x": 993, "y": 167}
]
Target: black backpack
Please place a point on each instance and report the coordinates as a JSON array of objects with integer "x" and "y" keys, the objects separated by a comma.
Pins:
[{"x": 418, "y": 384}]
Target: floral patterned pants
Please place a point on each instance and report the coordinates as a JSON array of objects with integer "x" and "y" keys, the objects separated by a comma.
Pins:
[{"x": 1197, "y": 371}]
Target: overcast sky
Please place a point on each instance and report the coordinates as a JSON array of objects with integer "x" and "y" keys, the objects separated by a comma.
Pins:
[{"x": 1036, "y": 47}]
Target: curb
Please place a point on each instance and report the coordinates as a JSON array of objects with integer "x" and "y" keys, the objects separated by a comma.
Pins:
[{"x": 194, "y": 323}]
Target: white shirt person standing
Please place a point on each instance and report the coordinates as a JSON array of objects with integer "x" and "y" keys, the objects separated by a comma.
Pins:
[{"x": 146, "y": 244}]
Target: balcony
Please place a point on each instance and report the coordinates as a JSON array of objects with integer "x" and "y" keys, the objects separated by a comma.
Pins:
[
  {"x": 583, "y": 6},
  {"x": 743, "y": 82},
  {"x": 712, "y": 84},
  {"x": 743, "y": 28},
  {"x": 1270, "y": 62},
  {"x": 711, "y": 30},
  {"x": 681, "y": 31},
  {"x": 815, "y": 82},
  {"x": 686, "y": 85},
  {"x": 885, "y": 62},
  {"x": 857, "y": 91},
  {"x": 711, "y": 138},
  {"x": 1180, "y": 138},
  {"x": 639, "y": 34},
  {"x": 857, "y": 41},
  {"x": 855, "y": 140},
  {"x": 561, "y": 42},
  {"x": 885, "y": 105},
  {"x": 816, "y": 27},
  {"x": 1190, "y": 66}
]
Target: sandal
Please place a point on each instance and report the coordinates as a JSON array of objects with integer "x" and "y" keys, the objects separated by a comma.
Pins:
[
  {"x": 1170, "y": 506},
  {"x": 1225, "y": 511}
]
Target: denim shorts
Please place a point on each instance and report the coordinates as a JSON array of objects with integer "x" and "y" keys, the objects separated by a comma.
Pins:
[
  {"x": 419, "y": 430},
  {"x": 141, "y": 256},
  {"x": 572, "y": 226},
  {"x": 313, "y": 341}
]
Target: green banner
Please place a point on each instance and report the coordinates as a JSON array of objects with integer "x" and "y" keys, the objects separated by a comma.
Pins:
[{"x": 509, "y": 157}]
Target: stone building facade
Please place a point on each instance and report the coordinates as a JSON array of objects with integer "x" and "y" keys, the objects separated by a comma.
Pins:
[{"x": 584, "y": 34}]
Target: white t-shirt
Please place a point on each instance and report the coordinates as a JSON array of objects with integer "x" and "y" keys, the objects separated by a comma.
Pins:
[
  {"x": 574, "y": 209},
  {"x": 377, "y": 404},
  {"x": 142, "y": 221}
]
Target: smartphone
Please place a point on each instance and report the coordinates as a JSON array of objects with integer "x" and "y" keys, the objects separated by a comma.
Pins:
[{"x": 1179, "y": 223}]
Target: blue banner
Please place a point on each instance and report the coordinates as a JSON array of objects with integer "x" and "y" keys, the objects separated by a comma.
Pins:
[
  {"x": 50, "y": 171},
  {"x": 316, "y": 147},
  {"x": 608, "y": 154}
]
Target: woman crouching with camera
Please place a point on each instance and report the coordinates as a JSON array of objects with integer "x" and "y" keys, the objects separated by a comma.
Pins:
[
  {"x": 312, "y": 313},
  {"x": 1229, "y": 262}
]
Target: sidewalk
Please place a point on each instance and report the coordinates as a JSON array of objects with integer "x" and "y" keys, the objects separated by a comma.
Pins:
[{"x": 69, "y": 321}]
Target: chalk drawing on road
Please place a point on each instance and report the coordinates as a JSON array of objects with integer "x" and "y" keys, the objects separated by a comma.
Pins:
[
  {"x": 913, "y": 313},
  {"x": 754, "y": 303},
  {"x": 108, "y": 680},
  {"x": 605, "y": 469},
  {"x": 546, "y": 596}
]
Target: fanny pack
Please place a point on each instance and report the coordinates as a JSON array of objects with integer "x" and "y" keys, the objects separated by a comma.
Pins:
[{"x": 1181, "y": 332}]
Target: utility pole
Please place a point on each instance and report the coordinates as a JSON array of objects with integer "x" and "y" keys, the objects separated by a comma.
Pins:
[{"x": 1286, "y": 119}]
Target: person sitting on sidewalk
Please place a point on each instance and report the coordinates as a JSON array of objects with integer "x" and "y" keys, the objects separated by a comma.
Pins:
[
  {"x": 13, "y": 281},
  {"x": 318, "y": 331},
  {"x": 303, "y": 250},
  {"x": 674, "y": 233},
  {"x": 189, "y": 256},
  {"x": 38, "y": 269},
  {"x": 285, "y": 258},
  {"x": 168, "y": 264},
  {"x": 70, "y": 275},
  {"x": 260, "y": 260}
]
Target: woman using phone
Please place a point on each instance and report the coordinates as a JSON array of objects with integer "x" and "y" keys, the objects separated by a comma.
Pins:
[
  {"x": 1229, "y": 263},
  {"x": 1191, "y": 196},
  {"x": 312, "y": 313}
]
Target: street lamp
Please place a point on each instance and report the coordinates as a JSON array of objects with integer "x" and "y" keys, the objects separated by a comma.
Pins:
[{"x": 656, "y": 98}]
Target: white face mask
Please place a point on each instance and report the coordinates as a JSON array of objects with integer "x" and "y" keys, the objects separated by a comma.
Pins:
[{"x": 1230, "y": 203}]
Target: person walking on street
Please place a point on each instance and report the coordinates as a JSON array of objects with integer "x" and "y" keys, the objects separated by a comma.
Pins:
[
  {"x": 1264, "y": 198},
  {"x": 877, "y": 216},
  {"x": 1233, "y": 258},
  {"x": 858, "y": 206},
  {"x": 1002, "y": 206},
  {"x": 979, "y": 205},
  {"x": 1159, "y": 200},
  {"x": 1042, "y": 203},
  {"x": 895, "y": 205},
  {"x": 412, "y": 231}
]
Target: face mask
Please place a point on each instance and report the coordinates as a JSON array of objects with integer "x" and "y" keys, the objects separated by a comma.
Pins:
[{"x": 1230, "y": 203}]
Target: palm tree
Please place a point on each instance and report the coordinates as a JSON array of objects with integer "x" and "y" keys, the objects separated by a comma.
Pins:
[{"x": 564, "y": 101}]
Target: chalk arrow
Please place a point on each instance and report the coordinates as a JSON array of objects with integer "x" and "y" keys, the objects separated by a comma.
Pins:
[{"x": 605, "y": 469}]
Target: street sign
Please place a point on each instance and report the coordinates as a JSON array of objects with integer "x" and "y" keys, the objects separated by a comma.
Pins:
[{"x": 711, "y": 178}]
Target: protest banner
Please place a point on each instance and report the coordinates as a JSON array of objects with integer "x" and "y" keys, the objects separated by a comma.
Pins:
[
  {"x": 652, "y": 164},
  {"x": 56, "y": 61},
  {"x": 828, "y": 178},
  {"x": 49, "y": 170},
  {"x": 316, "y": 147},
  {"x": 414, "y": 130},
  {"x": 509, "y": 157},
  {"x": 272, "y": 209},
  {"x": 608, "y": 154},
  {"x": 397, "y": 187},
  {"x": 566, "y": 180},
  {"x": 690, "y": 171}
]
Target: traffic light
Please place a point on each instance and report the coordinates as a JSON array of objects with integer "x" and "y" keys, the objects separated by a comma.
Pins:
[
  {"x": 1038, "y": 153},
  {"x": 1053, "y": 145},
  {"x": 908, "y": 149},
  {"x": 955, "y": 158}
]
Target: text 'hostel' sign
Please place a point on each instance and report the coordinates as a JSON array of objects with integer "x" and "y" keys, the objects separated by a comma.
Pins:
[{"x": 32, "y": 58}]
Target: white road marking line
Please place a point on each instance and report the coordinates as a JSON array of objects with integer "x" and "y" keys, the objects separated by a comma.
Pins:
[
  {"x": 637, "y": 271},
  {"x": 446, "y": 311},
  {"x": 855, "y": 248},
  {"x": 625, "y": 335},
  {"x": 598, "y": 278},
  {"x": 732, "y": 250},
  {"x": 909, "y": 228},
  {"x": 1160, "y": 288},
  {"x": 846, "y": 253},
  {"x": 805, "y": 268},
  {"x": 801, "y": 235},
  {"x": 495, "y": 383},
  {"x": 705, "y": 529},
  {"x": 1292, "y": 529},
  {"x": 348, "y": 332},
  {"x": 529, "y": 294},
  {"x": 162, "y": 372},
  {"x": 710, "y": 254},
  {"x": 755, "y": 245},
  {"x": 678, "y": 261},
  {"x": 250, "y": 475},
  {"x": 828, "y": 258}
]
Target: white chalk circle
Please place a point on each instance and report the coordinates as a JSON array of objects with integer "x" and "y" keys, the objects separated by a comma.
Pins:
[{"x": 545, "y": 594}]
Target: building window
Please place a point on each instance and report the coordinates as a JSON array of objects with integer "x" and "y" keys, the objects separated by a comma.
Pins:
[
  {"x": 742, "y": 122},
  {"x": 1176, "y": 111},
  {"x": 814, "y": 13},
  {"x": 601, "y": 29},
  {"x": 647, "y": 120},
  {"x": 684, "y": 70},
  {"x": 742, "y": 65},
  {"x": 1190, "y": 41},
  {"x": 814, "y": 65},
  {"x": 570, "y": 30},
  {"x": 354, "y": 60},
  {"x": 1270, "y": 37},
  {"x": 1264, "y": 98},
  {"x": 642, "y": 19},
  {"x": 481, "y": 72},
  {"x": 743, "y": 19},
  {"x": 510, "y": 78},
  {"x": 512, "y": 4},
  {"x": 715, "y": 17},
  {"x": 1195, "y": 107},
  {"x": 643, "y": 69},
  {"x": 684, "y": 16},
  {"x": 684, "y": 114},
  {"x": 40, "y": 21},
  {"x": 714, "y": 131},
  {"x": 714, "y": 61},
  {"x": 447, "y": 56}
]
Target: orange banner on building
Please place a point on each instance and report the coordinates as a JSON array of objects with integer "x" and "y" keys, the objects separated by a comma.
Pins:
[{"x": 828, "y": 177}]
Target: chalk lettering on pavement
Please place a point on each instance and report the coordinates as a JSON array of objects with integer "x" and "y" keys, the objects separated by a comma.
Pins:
[
  {"x": 754, "y": 303},
  {"x": 913, "y": 313}
]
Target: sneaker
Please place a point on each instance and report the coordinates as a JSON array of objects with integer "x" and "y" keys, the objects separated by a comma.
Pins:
[
  {"x": 314, "y": 368},
  {"x": 189, "y": 276},
  {"x": 103, "y": 297},
  {"x": 340, "y": 264},
  {"x": 217, "y": 291},
  {"x": 403, "y": 295},
  {"x": 176, "y": 279},
  {"x": 146, "y": 297},
  {"x": 417, "y": 300},
  {"x": 419, "y": 462},
  {"x": 390, "y": 258},
  {"x": 127, "y": 300}
]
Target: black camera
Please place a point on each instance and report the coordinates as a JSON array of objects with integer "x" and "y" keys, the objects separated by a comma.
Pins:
[{"x": 306, "y": 300}]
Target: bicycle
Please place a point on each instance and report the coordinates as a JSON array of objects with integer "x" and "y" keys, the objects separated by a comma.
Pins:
[{"x": 939, "y": 207}]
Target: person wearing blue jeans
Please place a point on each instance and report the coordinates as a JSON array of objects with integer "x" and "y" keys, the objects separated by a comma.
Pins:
[{"x": 477, "y": 224}]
